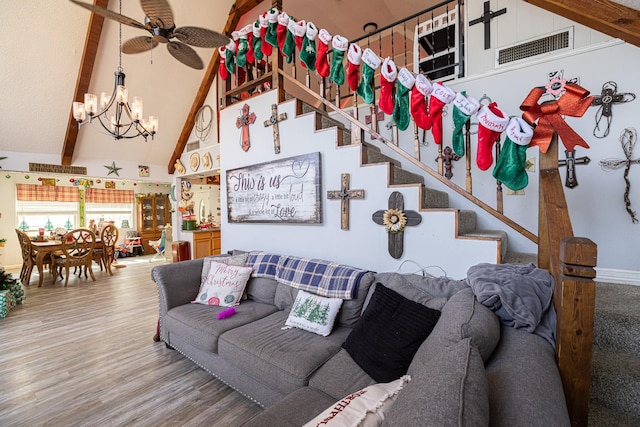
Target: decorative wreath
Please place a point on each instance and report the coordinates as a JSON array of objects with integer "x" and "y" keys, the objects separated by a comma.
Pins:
[{"x": 395, "y": 220}]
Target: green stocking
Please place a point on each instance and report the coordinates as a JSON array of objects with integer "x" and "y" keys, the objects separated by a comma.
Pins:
[
  {"x": 371, "y": 63},
  {"x": 243, "y": 47},
  {"x": 230, "y": 59},
  {"x": 463, "y": 108},
  {"x": 256, "y": 42},
  {"x": 401, "y": 114},
  {"x": 510, "y": 166},
  {"x": 289, "y": 46},
  {"x": 308, "y": 51},
  {"x": 272, "y": 30},
  {"x": 336, "y": 74}
]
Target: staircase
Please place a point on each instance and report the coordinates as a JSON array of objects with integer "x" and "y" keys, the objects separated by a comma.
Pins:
[
  {"x": 615, "y": 372},
  {"x": 430, "y": 199}
]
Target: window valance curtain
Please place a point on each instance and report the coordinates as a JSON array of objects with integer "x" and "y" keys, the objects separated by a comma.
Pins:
[
  {"x": 103, "y": 195},
  {"x": 47, "y": 193}
]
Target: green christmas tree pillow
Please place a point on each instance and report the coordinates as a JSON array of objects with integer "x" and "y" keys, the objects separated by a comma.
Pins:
[{"x": 314, "y": 313}]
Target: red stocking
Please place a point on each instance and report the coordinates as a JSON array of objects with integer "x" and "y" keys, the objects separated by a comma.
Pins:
[
  {"x": 419, "y": 93},
  {"x": 283, "y": 21},
  {"x": 222, "y": 68},
  {"x": 388, "y": 76},
  {"x": 322, "y": 62},
  {"x": 353, "y": 71},
  {"x": 491, "y": 123},
  {"x": 440, "y": 96},
  {"x": 265, "y": 47}
]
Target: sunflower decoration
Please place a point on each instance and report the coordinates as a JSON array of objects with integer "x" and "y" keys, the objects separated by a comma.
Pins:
[{"x": 394, "y": 220}]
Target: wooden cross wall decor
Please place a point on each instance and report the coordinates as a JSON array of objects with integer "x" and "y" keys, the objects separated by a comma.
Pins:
[
  {"x": 485, "y": 19},
  {"x": 273, "y": 121},
  {"x": 395, "y": 219},
  {"x": 243, "y": 121},
  {"x": 344, "y": 194},
  {"x": 570, "y": 163}
]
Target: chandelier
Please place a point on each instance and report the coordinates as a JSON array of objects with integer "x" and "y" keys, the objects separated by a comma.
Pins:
[{"x": 126, "y": 120}]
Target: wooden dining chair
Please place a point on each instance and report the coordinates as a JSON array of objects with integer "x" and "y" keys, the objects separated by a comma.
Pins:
[
  {"x": 28, "y": 257},
  {"x": 77, "y": 251},
  {"x": 104, "y": 255}
]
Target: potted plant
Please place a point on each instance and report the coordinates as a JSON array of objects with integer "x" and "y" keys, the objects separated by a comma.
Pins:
[{"x": 2, "y": 241}]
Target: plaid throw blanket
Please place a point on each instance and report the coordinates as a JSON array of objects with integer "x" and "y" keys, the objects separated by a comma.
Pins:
[
  {"x": 264, "y": 264},
  {"x": 320, "y": 277}
]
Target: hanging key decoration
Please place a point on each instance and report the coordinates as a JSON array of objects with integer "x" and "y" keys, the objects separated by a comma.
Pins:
[
  {"x": 605, "y": 101},
  {"x": 628, "y": 139}
]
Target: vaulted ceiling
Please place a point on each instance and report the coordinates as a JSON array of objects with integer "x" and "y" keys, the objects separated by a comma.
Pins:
[{"x": 55, "y": 51}]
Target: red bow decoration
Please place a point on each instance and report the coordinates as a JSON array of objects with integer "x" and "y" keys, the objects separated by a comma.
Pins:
[{"x": 574, "y": 102}]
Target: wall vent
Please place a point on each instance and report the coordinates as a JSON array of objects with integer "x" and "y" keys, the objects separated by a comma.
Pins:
[
  {"x": 559, "y": 41},
  {"x": 193, "y": 145}
]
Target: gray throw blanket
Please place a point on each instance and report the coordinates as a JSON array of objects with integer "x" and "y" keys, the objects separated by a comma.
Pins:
[{"x": 520, "y": 295}]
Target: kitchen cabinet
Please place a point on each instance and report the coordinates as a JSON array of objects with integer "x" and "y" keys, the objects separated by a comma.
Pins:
[
  {"x": 206, "y": 243},
  {"x": 153, "y": 214}
]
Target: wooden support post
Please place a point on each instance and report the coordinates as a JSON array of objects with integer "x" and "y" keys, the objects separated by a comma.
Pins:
[
  {"x": 337, "y": 101},
  {"x": 499, "y": 193},
  {"x": 548, "y": 161},
  {"x": 323, "y": 92},
  {"x": 467, "y": 143},
  {"x": 356, "y": 132},
  {"x": 574, "y": 299},
  {"x": 307, "y": 79},
  {"x": 439, "y": 159},
  {"x": 416, "y": 142}
]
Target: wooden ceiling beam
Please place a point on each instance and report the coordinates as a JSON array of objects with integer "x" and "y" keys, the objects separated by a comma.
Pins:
[
  {"x": 608, "y": 17},
  {"x": 87, "y": 62},
  {"x": 239, "y": 8}
]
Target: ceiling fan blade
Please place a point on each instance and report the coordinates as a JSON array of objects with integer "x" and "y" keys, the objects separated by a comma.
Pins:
[
  {"x": 159, "y": 13},
  {"x": 185, "y": 54},
  {"x": 110, "y": 15},
  {"x": 200, "y": 37},
  {"x": 138, "y": 44}
]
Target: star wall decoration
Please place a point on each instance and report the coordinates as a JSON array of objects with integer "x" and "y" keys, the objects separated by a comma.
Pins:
[{"x": 112, "y": 169}]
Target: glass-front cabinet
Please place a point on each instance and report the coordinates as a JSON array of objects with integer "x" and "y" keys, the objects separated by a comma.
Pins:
[{"x": 153, "y": 215}]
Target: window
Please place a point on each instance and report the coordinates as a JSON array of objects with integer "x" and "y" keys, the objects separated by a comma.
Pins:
[
  {"x": 47, "y": 215},
  {"x": 117, "y": 212}
]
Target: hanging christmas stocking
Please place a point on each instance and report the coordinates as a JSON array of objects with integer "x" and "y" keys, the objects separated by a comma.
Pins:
[
  {"x": 222, "y": 68},
  {"x": 308, "y": 50},
  {"x": 322, "y": 63},
  {"x": 419, "y": 93},
  {"x": 440, "y": 97},
  {"x": 251, "y": 57},
  {"x": 281, "y": 31},
  {"x": 243, "y": 46},
  {"x": 340, "y": 45},
  {"x": 354, "y": 56},
  {"x": 289, "y": 47},
  {"x": 401, "y": 109},
  {"x": 265, "y": 46},
  {"x": 228, "y": 52},
  {"x": 271, "y": 36},
  {"x": 256, "y": 41},
  {"x": 510, "y": 164},
  {"x": 388, "y": 75},
  {"x": 463, "y": 108},
  {"x": 299, "y": 30},
  {"x": 491, "y": 123},
  {"x": 371, "y": 64}
]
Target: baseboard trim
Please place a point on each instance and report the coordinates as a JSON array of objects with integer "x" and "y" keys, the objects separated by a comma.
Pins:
[{"x": 623, "y": 277}]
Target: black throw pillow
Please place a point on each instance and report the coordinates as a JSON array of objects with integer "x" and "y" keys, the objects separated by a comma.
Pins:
[{"x": 389, "y": 333}]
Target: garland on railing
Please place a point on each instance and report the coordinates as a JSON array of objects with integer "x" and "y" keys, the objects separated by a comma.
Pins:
[{"x": 415, "y": 96}]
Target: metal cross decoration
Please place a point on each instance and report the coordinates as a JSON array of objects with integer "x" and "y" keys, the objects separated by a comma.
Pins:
[
  {"x": 395, "y": 219},
  {"x": 570, "y": 163},
  {"x": 243, "y": 121},
  {"x": 605, "y": 101},
  {"x": 344, "y": 194},
  {"x": 628, "y": 140},
  {"x": 273, "y": 121},
  {"x": 447, "y": 157},
  {"x": 485, "y": 19}
]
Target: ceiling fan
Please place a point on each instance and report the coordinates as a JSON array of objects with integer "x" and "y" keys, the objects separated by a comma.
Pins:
[{"x": 158, "y": 21}]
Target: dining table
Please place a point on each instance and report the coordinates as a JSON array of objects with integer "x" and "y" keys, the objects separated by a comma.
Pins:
[{"x": 44, "y": 247}]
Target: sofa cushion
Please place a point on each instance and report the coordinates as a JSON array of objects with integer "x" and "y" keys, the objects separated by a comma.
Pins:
[
  {"x": 464, "y": 317},
  {"x": 282, "y": 358},
  {"x": 314, "y": 313},
  {"x": 388, "y": 334},
  {"x": 340, "y": 376},
  {"x": 223, "y": 285},
  {"x": 366, "y": 407},
  {"x": 261, "y": 289},
  {"x": 198, "y": 323},
  {"x": 448, "y": 388},
  {"x": 524, "y": 382}
]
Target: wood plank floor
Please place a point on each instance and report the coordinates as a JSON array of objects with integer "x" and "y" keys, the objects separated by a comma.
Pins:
[{"x": 84, "y": 355}]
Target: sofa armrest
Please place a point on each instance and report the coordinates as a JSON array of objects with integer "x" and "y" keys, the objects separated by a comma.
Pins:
[{"x": 177, "y": 283}]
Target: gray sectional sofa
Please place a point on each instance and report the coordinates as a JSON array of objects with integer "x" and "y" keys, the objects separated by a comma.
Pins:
[{"x": 469, "y": 371}]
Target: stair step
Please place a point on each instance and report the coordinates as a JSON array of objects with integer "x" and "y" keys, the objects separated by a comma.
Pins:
[
  {"x": 372, "y": 156},
  {"x": 520, "y": 258},
  {"x": 617, "y": 317},
  {"x": 493, "y": 234},
  {"x": 601, "y": 416},
  {"x": 434, "y": 199},
  {"x": 400, "y": 176},
  {"x": 615, "y": 380}
]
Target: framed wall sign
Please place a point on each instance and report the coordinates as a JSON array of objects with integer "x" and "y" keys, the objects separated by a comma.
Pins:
[{"x": 285, "y": 191}]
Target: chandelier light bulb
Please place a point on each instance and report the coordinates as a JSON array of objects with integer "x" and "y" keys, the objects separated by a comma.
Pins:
[
  {"x": 122, "y": 94},
  {"x": 79, "y": 113},
  {"x": 136, "y": 108},
  {"x": 90, "y": 104},
  {"x": 153, "y": 124},
  {"x": 104, "y": 100}
]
